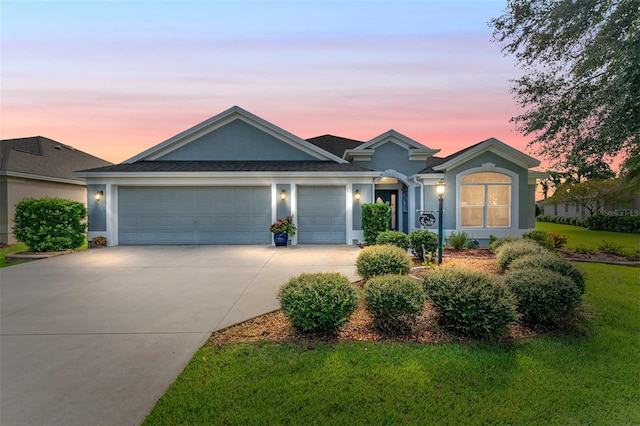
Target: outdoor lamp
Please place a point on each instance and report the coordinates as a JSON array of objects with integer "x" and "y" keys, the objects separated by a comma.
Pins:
[
  {"x": 98, "y": 195},
  {"x": 357, "y": 195},
  {"x": 440, "y": 188},
  {"x": 283, "y": 195}
]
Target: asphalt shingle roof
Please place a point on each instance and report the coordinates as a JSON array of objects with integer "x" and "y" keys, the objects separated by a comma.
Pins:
[
  {"x": 42, "y": 156},
  {"x": 230, "y": 166},
  {"x": 335, "y": 144}
]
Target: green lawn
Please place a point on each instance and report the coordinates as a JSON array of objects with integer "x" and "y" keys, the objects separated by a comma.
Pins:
[
  {"x": 582, "y": 237},
  {"x": 589, "y": 376},
  {"x": 14, "y": 248}
]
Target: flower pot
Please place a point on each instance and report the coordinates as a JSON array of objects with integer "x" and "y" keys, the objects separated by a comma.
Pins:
[{"x": 280, "y": 240}]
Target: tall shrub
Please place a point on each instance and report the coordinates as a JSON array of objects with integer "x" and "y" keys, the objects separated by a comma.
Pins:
[
  {"x": 397, "y": 238},
  {"x": 375, "y": 219},
  {"x": 394, "y": 302},
  {"x": 50, "y": 224},
  {"x": 382, "y": 260},
  {"x": 422, "y": 241}
]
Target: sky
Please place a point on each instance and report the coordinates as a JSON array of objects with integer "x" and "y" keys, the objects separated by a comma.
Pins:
[{"x": 114, "y": 78}]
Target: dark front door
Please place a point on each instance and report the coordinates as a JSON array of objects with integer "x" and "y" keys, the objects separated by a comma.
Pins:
[{"x": 389, "y": 196}]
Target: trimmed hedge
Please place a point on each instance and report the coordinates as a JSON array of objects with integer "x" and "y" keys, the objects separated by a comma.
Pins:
[
  {"x": 470, "y": 302},
  {"x": 508, "y": 252},
  {"x": 553, "y": 263},
  {"x": 421, "y": 241},
  {"x": 50, "y": 224},
  {"x": 544, "y": 296},
  {"x": 375, "y": 219},
  {"x": 626, "y": 224},
  {"x": 396, "y": 238},
  {"x": 562, "y": 220},
  {"x": 318, "y": 302},
  {"x": 394, "y": 302},
  {"x": 382, "y": 260}
]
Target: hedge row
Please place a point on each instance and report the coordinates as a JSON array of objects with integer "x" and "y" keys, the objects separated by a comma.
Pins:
[
  {"x": 627, "y": 224},
  {"x": 575, "y": 221}
]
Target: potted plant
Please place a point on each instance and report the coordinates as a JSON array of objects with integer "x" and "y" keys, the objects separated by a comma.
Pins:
[
  {"x": 98, "y": 241},
  {"x": 282, "y": 229}
]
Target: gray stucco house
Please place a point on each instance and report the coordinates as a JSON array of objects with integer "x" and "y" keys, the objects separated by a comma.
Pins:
[{"x": 225, "y": 180}]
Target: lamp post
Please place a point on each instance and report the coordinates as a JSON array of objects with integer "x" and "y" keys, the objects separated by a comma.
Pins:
[{"x": 440, "y": 188}]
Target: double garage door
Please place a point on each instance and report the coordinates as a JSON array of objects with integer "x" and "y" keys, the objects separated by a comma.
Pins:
[{"x": 224, "y": 215}]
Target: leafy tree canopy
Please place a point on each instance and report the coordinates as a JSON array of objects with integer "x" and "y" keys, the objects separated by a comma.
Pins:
[
  {"x": 581, "y": 87},
  {"x": 592, "y": 194}
]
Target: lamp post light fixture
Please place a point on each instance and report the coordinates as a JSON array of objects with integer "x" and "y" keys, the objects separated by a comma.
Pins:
[{"x": 440, "y": 188}]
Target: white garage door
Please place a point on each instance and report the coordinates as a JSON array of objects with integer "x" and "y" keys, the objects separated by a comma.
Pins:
[
  {"x": 194, "y": 215},
  {"x": 321, "y": 215}
]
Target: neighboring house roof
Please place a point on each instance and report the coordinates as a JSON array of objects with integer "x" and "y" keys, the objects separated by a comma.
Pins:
[
  {"x": 226, "y": 117},
  {"x": 440, "y": 165},
  {"x": 226, "y": 166},
  {"x": 45, "y": 159},
  {"x": 335, "y": 144}
]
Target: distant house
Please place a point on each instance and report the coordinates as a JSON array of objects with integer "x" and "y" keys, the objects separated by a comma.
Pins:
[
  {"x": 226, "y": 179},
  {"x": 36, "y": 167}
]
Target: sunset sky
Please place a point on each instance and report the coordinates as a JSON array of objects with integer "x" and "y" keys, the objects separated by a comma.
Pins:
[{"x": 113, "y": 78}]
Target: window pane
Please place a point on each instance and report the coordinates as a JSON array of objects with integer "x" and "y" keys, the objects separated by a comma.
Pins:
[
  {"x": 486, "y": 177},
  {"x": 498, "y": 217},
  {"x": 499, "y": 195},
  {"x": 472, "y": 217},
  {"x": 472, "y": 195}
]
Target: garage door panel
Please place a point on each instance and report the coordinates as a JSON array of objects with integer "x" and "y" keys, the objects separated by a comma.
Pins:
[
  {"x": 321, "y": 215},
  {"x": 196, "y": 215}
]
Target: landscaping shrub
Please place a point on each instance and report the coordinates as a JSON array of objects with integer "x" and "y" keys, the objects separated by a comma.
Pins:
[
  {"x": 470, "y": 302},
  {"x": 382, "y": 260},
  {"x": 422, "y": 241},
  {"x": 495, "y": 242},
  {"x": 553, "y": 263},
  {"x": 318, "y": 302},
  {"x": 396, "y": 238},
  {"x": 608, "y": 247},
  {"x": 508, "y": 252},
  {"x": 375, "y": 219},
  {"x": 544, "y": 297},
  {"x": 394, "y": 302},
  {"x": 50, "y": 224},
  {"x": 457, "y": 240},
  {"x": 627, "y": 224},
  {"x": 548, "y": 240},
  {"x": 472, "y": 244}
]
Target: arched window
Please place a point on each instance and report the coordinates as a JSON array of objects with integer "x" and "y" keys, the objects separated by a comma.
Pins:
[{"x": 485, "y": 200}]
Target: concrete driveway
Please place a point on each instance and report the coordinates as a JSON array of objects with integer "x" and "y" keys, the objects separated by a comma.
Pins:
[{"x": 96, "y": 337}]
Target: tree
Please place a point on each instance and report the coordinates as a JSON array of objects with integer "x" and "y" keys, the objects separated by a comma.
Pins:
[
  {"x": 631, "y": 171},
  {"x": 581, "y": 88},
  {"x": 592, "y": 194}
]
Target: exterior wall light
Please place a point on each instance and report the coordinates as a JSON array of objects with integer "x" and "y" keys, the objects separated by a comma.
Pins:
[
  {"x": 440, "y": 188},
  {"x": 357, "y": 195},
  {"x": 283, "y": 195},
  {"x": 98, "y": 195}
]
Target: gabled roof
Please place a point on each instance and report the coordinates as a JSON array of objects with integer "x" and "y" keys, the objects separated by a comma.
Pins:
[
  {"x": 416, "y": 150},
  {"x": 225, "y": 117},
  {"x": 335, "y": 144},
  {"x": 440, "y": 165},
  {"x": 43, "y": 158}
]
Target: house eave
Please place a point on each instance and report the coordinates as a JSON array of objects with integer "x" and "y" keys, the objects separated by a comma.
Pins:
[
  {"x": 271, "y": 174},
  {"x": 509, "y": 153},
  {"x": 10, "y": 173}
]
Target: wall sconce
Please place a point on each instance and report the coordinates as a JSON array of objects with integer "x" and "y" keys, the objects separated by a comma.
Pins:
[
  {"x": 357, "y": 195},
  {"x": 98, "y": 195},
  {"x": 283, "y": 195}
]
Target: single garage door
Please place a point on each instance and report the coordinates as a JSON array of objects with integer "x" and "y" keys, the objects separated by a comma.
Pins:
[
  {"x": 321, "y": 215},
  {"x": 194, "y": 215}
]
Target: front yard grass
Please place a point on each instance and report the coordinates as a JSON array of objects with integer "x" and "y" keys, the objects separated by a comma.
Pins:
[
  {"x": 589, "y": 375},
  {"x": 582, "y": 237},
  {"x": 14, "y": 248}
]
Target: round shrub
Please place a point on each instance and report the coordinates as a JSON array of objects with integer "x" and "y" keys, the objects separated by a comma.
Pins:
[
  {"x": 470, "y": 302},
  {"x": 544, "y": 296},
  {"x": 394, "y": 302},
  {"x": 508, "y": 252},
  {"x": 551, "y": 262},
  {"x": 396, "y": 238},
  {"x": 318, "y": 302},
  {"x": 421, "y": 241},
  {"x": 50, "y": 224},
  {"x": 382, "y": 260}
]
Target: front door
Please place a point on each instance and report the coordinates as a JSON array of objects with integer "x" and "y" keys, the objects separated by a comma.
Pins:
[{"x": 389, "y": 196}]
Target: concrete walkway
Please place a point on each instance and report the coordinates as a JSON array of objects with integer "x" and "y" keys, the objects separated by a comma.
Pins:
[{"x": 96, "y": 337}]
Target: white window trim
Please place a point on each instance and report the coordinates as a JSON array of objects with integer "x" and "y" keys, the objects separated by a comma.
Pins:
[{"x": 515, "y": 200}]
